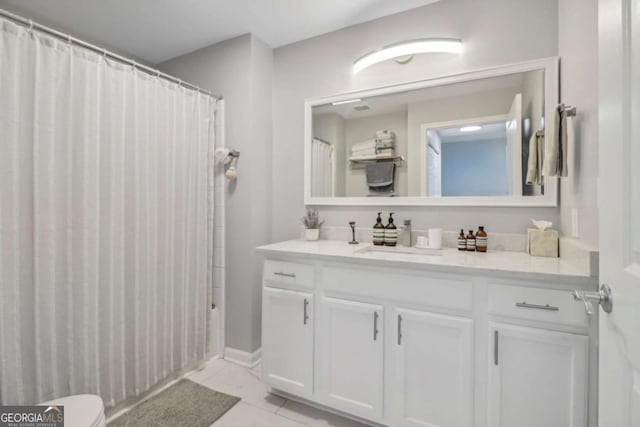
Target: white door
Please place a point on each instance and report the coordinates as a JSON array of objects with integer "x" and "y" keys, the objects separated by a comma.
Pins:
[
  {"x": 433, "y": 370},
  {"x": 352, "y": 356},
  {"x": 287, "y": 337},
  {"x": 537, "y": 377},
  {"x": 514, "y": 146},
  {"x": 619, "y": 194}
]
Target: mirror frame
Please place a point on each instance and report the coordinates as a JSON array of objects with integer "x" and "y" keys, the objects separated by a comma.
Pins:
[{"x": 551, "y": 67}]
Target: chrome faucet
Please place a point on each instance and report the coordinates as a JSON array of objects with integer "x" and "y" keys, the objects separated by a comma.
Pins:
[
  {"x": 406, "y": 234},
  {"x": 353, "y": 241}
]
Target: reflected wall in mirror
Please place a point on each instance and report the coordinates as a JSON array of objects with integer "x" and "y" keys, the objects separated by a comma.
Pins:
[{"x": 457, "y": 140}]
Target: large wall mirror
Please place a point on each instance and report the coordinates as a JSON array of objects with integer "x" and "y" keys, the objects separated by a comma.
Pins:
[{"x": 457, "y": 140}]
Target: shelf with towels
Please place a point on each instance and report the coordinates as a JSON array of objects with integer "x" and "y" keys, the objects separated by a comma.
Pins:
[{"x": 376, "y": 159}]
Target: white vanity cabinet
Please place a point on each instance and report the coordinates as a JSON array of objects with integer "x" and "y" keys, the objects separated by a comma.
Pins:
[
  {"x": 351, "y": 355},
  {"x": 413, "y": 345},
  {"x": 287, "y": 340},
  {"x": 433, "y": 369},
  {"x": 537, "y": 377}
]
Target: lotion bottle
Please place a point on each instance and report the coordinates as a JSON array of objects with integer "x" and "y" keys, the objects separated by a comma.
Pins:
[
  {"x": 471, "y": 242},
  {"x": 378, "y": 231},
  {"x": 462, "y": 241},
  {"x": 390, "y": 232},
  {"x": 481, "y": 240}
]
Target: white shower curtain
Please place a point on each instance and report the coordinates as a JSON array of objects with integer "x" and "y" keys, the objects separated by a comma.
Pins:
[
  {"x": 322, "y": 169},
  {"x": 105, "y": 222}
]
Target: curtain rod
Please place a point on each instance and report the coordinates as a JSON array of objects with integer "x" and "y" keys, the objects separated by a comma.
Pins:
[{"x": 67, "y": 37}]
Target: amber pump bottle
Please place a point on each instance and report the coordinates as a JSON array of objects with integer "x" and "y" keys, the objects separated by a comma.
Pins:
[
  {"x": 462, "y": 241},
  {"x": 390, "y": 232},
  {"x": 378, "y": 231},
  {"x": 481, "y": 240},
  {"x": 471, "y": 242}
]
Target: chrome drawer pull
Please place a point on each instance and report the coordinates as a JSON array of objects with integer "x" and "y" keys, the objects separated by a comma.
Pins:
[
  {"x": 280, "y": 273},
  {"x": 495, "y": 348},
  {"x": 375, "y": 325},
  {"x": 537, "y": 306},
  {"x": 305, "y": 315}
]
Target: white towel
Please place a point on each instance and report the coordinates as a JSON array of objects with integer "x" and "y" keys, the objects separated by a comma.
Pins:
[
  {"x": 370, "y": 143},
  {"x": 555, "y": 161},
  {"x": 385, "y": 134},
  {"x": 385, "y": 153},
  {"x": 382, "y": 145},
  {"x": 364, "y": 153},
  {"x": 536, "y": 156}
]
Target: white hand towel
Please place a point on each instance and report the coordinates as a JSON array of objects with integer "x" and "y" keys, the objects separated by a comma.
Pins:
[
  {"x": 370, "y": 143},
  {"x": 555, "y": 161},
  {"x": 363, "y": 153},
  {"x": 536, "y": 155}
]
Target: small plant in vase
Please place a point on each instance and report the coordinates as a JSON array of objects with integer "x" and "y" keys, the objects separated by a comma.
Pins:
[{"x": 312, "y": 224}]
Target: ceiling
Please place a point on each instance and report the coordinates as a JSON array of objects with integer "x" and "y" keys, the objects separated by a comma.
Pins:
[
  {"x": 488, "y": 131},
  {"x": 157, "y": 30}
]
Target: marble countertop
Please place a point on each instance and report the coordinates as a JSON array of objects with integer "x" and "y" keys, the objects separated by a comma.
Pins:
[{"x": 450, "y": 260}]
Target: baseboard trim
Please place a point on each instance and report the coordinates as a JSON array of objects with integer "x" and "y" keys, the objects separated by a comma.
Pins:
[{"x": 243, "y": 358}]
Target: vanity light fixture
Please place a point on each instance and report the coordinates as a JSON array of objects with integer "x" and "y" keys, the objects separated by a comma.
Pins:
[
  {"x": 348, "y": 101},
  {"x": 406, "y": 49},
  {"x": 474, "y": 128}
]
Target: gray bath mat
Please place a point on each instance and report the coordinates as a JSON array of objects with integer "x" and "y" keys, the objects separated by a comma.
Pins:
[{"x": 183, "y": 404}]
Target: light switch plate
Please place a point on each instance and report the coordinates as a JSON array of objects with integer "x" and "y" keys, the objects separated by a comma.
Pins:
[{"x": 575, "y": 230}]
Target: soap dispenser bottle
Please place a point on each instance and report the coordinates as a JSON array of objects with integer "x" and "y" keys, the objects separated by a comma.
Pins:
[
  {"x": 471, "y": 242},
  {"x": 482, "y": 240},
  {"x": 462, "y": 241},
  {"x": 390, "y": 232},
  {"x": 378, "y": 231}
]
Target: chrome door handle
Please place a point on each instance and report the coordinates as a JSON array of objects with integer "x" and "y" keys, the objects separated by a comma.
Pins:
[
  {"x": 280, "y": 273},
  {"x": 375, "y": 325},
  {"x": 525, "y": 304},
  {"x": 495, "y": 347},
  {"x": 399, "y": 329},
  {"x": 603, "y": 297},
  {"x": 306, "y": 311}
]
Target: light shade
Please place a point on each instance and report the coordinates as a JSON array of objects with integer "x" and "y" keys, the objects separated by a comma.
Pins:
[
  {"x": 410, "y": 47},
  {"x": 348, "y": 101}
]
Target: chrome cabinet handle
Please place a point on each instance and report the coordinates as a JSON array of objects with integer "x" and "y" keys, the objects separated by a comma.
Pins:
[
  {"x": 603, "y": 297},
  {"x": 375, "y": 325},
  {"x": 495, "y": 348},
  {"x": 306, "y": 311},
  {"x": 399, "y": 329},
  {"x": 280, "y": 273},
  {"x": 548, "y": 307}
]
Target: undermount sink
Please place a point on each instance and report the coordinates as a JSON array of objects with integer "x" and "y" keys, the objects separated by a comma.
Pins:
[{"x": 397, "y": 252}]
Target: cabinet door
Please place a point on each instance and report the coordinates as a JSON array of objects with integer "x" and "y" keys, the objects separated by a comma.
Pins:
[
  {"x": 287, "y": 340},
  {"x": 433, "y": 369},
  {"x": 352, "y": 356},
  {"x": 537, "y": 377}
]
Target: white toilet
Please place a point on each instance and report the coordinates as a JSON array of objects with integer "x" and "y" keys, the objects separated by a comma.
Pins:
[{"x": 81, "y": 410}]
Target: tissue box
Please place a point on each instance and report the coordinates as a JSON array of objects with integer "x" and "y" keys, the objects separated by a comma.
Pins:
[{"x": 542, "y": 242}]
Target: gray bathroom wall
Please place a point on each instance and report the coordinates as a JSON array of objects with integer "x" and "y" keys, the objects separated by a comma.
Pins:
[
  {"x": 578, "y": 50},
  {"x": 494, "y": 32},
  {"x": 241, "y": 70}
]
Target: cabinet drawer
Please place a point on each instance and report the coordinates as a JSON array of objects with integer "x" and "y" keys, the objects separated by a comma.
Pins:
[
  {"x": 289, "y": 273},
  {"x": 420, "y": 288},
  {"x": 544, "y": 305}
]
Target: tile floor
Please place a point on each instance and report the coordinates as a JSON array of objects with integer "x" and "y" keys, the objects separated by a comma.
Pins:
[{"x": 257, "y": 407}]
